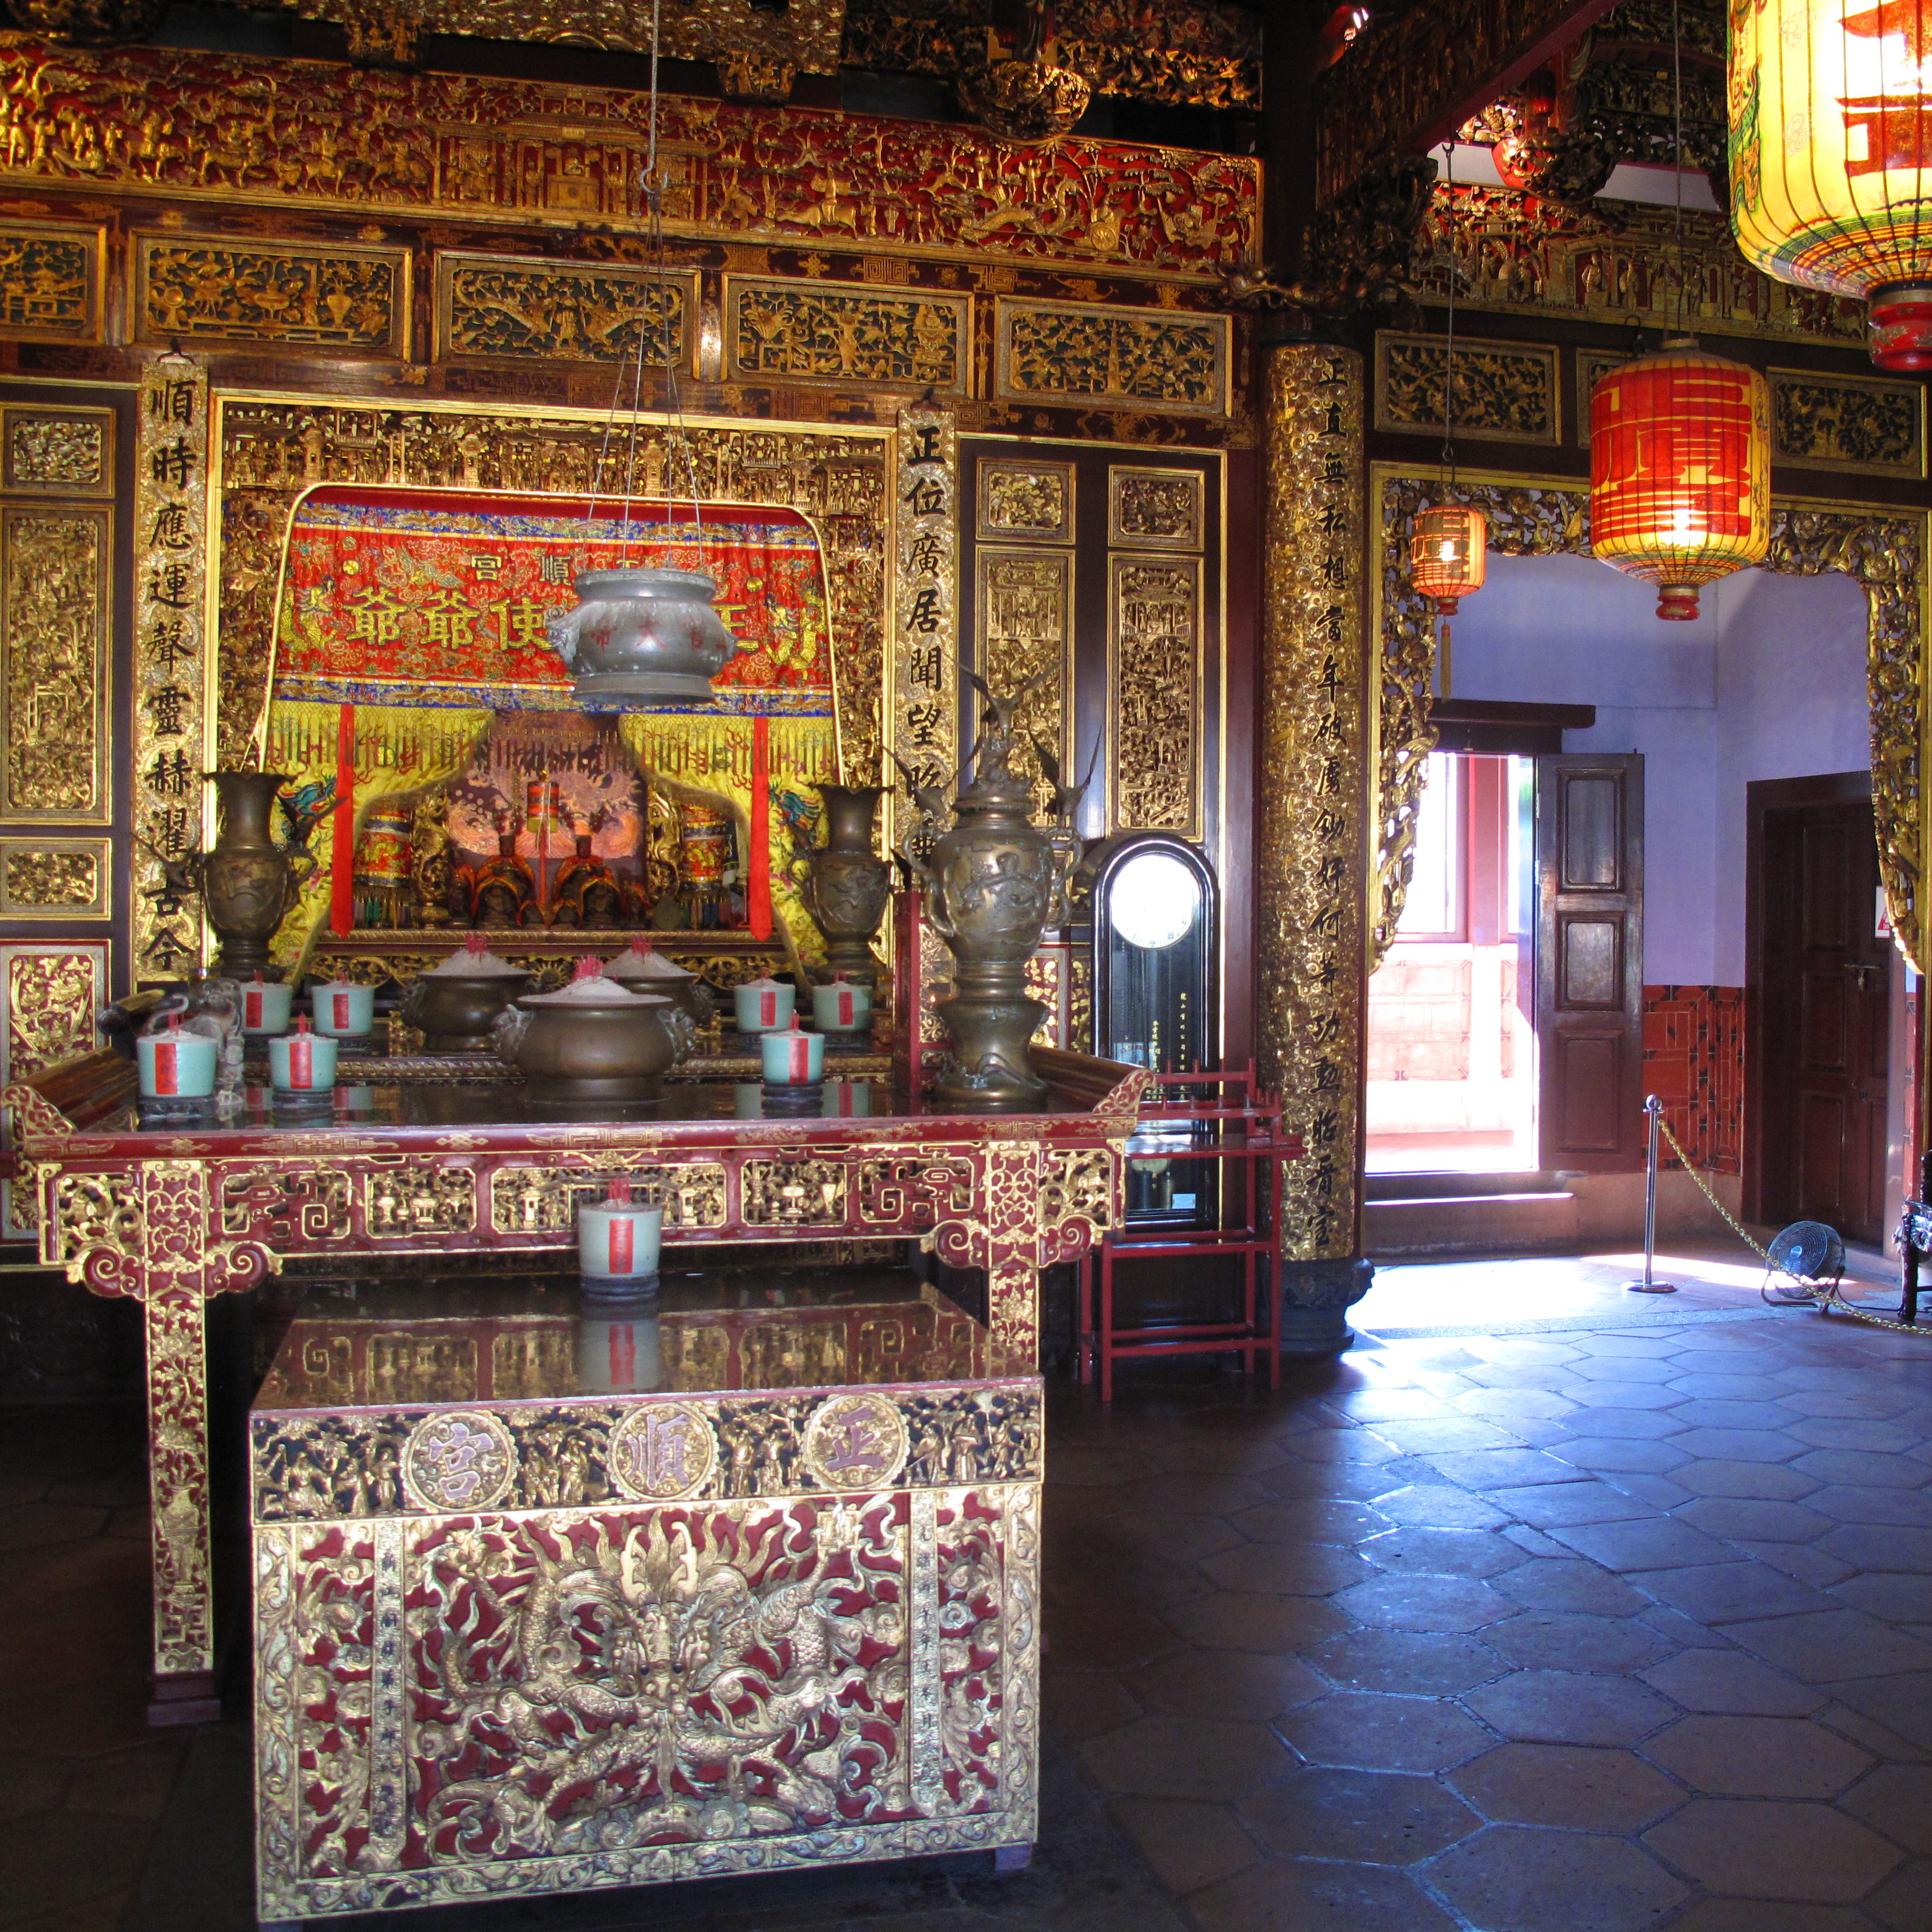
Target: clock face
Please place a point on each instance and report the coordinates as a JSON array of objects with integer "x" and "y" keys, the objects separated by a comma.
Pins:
[{"x": 1154, "y": 901}]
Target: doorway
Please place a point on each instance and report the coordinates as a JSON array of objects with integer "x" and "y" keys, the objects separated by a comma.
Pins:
[
  {"x": 1819, "y": 1007},
  {"x": 1451, "y": 1058}
]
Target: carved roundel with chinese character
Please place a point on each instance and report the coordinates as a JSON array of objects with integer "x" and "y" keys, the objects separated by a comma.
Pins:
[
  {"x": 855, "y": 1442},
  {"x": 665, "y": 1450},
  {"x": 459, "y": 1462}
]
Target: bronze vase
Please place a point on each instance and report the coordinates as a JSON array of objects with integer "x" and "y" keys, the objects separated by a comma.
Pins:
[
  {"x": 248, "y": 883},
  {"x": 997, "y": 881},
  {"x": 844, "y": 884}
]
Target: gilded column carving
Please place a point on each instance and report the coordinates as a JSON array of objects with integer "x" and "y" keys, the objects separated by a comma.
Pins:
[
  {"x": 924, "y": 727},
  {"x": 178, "y": 1480},
  {"x": 1314, "y": 843},
  {"x": 170, "y": 589}
]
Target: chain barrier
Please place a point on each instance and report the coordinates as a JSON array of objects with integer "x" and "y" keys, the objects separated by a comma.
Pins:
[{"x": 1825, "y": 1296}]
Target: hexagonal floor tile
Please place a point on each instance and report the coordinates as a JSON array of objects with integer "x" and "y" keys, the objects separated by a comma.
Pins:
[
  {"x": 1366, "y": 1731},
  {"x": 1897, "y": 1800},
  {"x": 1533, "y": 1880},
  {"x": 1566, "y": 1640},
  {"x": 1379, "y": 1818},
  {"x": 1751, "y": 1849},
  {"x": 1406, "y": 1662},
  {"x": 1424, "y": 1603},
  {"x": 1567, "y": 1707},
  {"x": 1574, "y": 1786},
  {"x": 1200, "y": 1758},
  {"x": 1729, "y": 1680},
  {"x": 1757, "y": 1757},
  {"x": 1298, "y": 1895},
  {"x": 1225, "y": 1684},
  {"x": 1568, "y": 1583}
]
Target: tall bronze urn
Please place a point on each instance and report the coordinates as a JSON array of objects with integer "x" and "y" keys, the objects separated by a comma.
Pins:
[
  {"x": 248, "y": 883},
  {"x": 844, "y": 884},
  {"x": 997, "y": 882}
]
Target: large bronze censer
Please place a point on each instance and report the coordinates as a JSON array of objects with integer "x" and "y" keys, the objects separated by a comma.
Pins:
[
  {"x": 456, "y": 1003},
  {"x": 593, "y": 1043},
  {"x": 996, "y": 881}
]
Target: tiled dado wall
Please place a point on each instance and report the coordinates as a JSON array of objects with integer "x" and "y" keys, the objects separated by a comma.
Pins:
[{"x": 1694, "y": 1060}]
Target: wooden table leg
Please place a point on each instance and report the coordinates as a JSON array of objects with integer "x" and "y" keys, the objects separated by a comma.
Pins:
[{"x": 184, "y": 1666}]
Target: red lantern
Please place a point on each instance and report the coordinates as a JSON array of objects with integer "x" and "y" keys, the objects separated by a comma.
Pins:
[
  {"x": 1680, "y": 471},
  {"x": 1447, "y": 555}
]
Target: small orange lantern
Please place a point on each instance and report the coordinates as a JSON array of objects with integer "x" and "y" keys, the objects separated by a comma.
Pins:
[
  {"x": 1448, "y": 554},
  {"x": 1680, "y": 471}
]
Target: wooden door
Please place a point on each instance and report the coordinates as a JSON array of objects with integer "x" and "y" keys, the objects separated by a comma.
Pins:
[
  {"x": 1824, "y": 980},
  {"x": 1589, "y": 960}
]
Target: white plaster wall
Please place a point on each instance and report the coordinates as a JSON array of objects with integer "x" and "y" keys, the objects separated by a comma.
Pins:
[{"x": 1768, "y": 682}]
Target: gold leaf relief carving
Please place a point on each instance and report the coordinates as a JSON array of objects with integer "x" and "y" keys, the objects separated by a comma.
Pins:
[
  {"x": 192, "y": 291},
  {"x": 52, "y": 997},
  {"x": 53, "y": 662},
  {"x": 1175, "y": 361},
  {"x": 785, "y": 330},
  {"x": 1846, "y": 424},
  {"x": 46, "y": 285},
  {"x": 49, "y": 452},
  {"x": 545, "y": 1200},
  {"x": 1026, "y": 633},
  {"x": 1500, "y": 392},
  {"x": 1155, "y": 509},
  {"x": 50, "y": 879},
  {"x": 1026, "y": 499},
  {"x": 561, "y": 312},
  {"x": 1156, "y": 636}
]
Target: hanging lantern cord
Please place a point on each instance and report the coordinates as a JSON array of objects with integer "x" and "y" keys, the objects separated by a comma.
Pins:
[{"x": 1449, "y": 359}]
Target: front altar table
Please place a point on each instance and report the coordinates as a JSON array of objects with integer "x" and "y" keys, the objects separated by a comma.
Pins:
[
  {"x": 553, "y": 1593},
  {"x": 171, "y": 1211}
]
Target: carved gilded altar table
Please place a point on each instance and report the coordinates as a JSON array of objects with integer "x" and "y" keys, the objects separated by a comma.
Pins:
[
  {"x": 172, "y": 1212},
  {"x": 552, "y": 1595}
]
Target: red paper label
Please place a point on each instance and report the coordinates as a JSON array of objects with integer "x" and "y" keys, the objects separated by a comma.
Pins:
[
  {"x": 845, "y": 1006},
  {"x": 167, "y": 1074},
  {"x": 302, "y": 1063},
  {"x": 801, "y": 1057},
  {"x": 251, "y": 1009},
  {"x": 341, "y": 1011},
  {"x": 623, "y": 1354},
  {"x": 768, "y": 1009},
  {"x": 621, "y": 1227}
]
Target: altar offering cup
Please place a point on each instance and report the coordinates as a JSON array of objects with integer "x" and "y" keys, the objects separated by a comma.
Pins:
[
  {"x": 841, "y": 1007},
  {"x": 175, "y": 1065},
  {"x": 619, "y": 1239},
  {"x": 302, "y": 1062},
  {"x": 344, "y": 1011},
  {"x": 764, "y": 1006},
  {"x": 794, "y": 1058},
  {"x": 266, "y": 1005}
]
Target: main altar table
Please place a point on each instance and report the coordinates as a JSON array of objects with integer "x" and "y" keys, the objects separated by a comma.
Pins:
[
  {"x": 554, "y": 1593},
  {"x": 172, "y": 1211}
]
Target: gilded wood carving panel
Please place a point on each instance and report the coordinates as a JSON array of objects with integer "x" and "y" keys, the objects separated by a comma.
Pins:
[
  {"x": 345, "y": 301},
  {"x": 56, "y": 452},
  {"x": 1155, "y": 509},
  {"x": 55, "y": 564},
  {"x": 50, "y": 283},
  {"x": 492, "y": 308},
  {"x": 814, "y": 331},
  {"x": 202, "y": 126},
  {"x": 55, "y": 878},
  {"x": 1143, "y": 359},
  {"x": 1022, "y": 501},
  {"x": 1848, "y": 422},
  {"x": 1025, "y": 606},
  {"x": 1505, "y": 391},
  {"x": 1154, "y": 671}
]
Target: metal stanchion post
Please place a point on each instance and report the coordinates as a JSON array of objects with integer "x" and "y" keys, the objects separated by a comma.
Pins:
[{"x": 1653, "y": 1109}]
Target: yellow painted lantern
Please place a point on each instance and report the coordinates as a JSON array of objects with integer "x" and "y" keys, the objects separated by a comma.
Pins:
[
  {"x": 1447, "y": 555},
  {"x": 1680, "y": 471},
  {"x": 1830, "y": 125}
]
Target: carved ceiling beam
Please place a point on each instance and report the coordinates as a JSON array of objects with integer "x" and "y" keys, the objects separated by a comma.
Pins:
[{"x": 1407, "y": 85}]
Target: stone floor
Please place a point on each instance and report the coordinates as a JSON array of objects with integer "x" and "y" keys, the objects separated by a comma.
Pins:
[{"x": 1623, "y": 1625}]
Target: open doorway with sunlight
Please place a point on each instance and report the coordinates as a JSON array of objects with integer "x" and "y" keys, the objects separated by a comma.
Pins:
[{"x": 1451, "y": 1032}]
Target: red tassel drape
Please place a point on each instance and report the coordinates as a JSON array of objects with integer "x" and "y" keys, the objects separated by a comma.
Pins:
[
  {"x": 758, "y": 866},
  {"x": 342, "y": 842}
]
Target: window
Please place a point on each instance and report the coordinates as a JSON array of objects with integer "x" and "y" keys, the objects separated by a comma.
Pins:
[{"x": 1434, "y": 907}]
